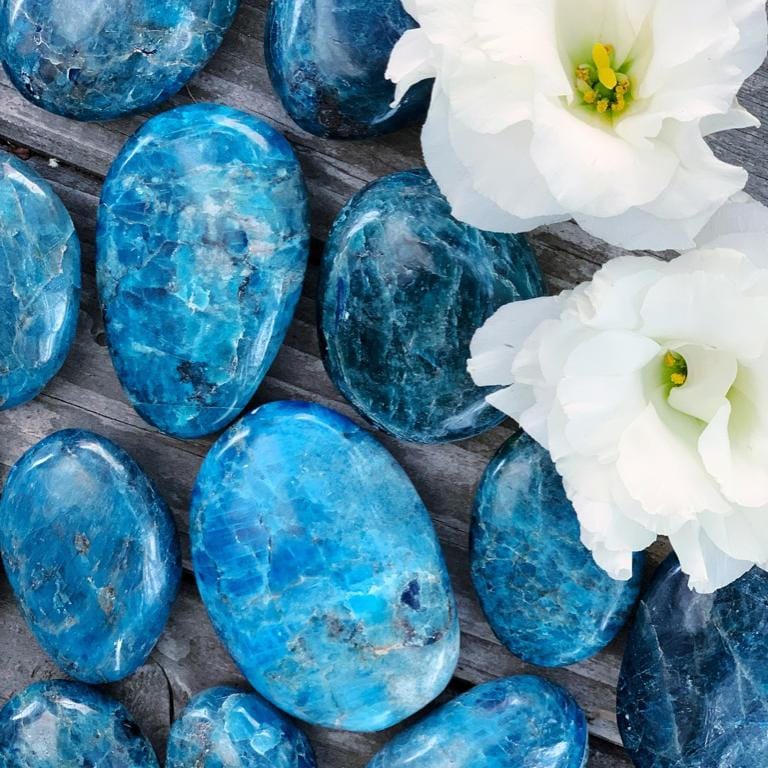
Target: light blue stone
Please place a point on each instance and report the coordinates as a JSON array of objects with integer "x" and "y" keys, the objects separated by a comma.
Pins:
[
  {"x": 58, "y": 724},
  {"x": 39, "y": 282},
  {"x": 693, "y": 690},
  {"x": 98, "y": 59},
  {"x": 227, "y": 728},
  {"x": 327, "y": 60},
  {"x": 404, "y": 286},
  {"x": 541, "y": 591},
  {"x": 203, "y": 240},
  {"x": 90, "y": 550},
  {"x": 320, "y": 569},
  {"x": 518, "y": 722}
]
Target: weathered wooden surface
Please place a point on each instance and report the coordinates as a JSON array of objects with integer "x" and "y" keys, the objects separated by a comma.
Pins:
[{"x": 87, "y": 394}]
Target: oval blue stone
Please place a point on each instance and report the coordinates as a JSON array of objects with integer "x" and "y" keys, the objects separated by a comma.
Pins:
[
  {"x": 541, "y": 591},
  {"x": 510, "y": 723},
  {"x": 321, "y": 571},
  {"x": 97, "y": 59},
  {"x": 404, "y": 287},
  {"x": 202, "y": 245},
  {"x": 693, "y": 690},
  {"x": 58, "y": 724},
  {"x": 39, "y": 282},
  {"x": 327, "y": 61},
  {"x": 90, "y": 550},
  {"x": 227, "y": 727}
]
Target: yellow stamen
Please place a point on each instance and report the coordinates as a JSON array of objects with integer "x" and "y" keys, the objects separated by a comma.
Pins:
[
  {"x": 678, "y": 378},
  {"x": 669, "y": 360},
  {"x": 602, "y": 105}
]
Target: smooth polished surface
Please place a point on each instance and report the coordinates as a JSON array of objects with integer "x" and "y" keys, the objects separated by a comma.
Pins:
[
  {"x": 59, "y": 724},
  {"x": 541, "y": 591},
  {"x": 97, "y": 59},
  {"x": 517, "y": 722},
  {"x": 228, "y": 728},
  {"x": 327, "y": 60},
  {"x": 404, "y": 287},
  {"x": 90, "y": 550},
  {"x": 693, "y": 691},
  {"x": 39, "y": 282},
  {"x": 320, "y": 569},
  {"x": 202, "y": 245}
]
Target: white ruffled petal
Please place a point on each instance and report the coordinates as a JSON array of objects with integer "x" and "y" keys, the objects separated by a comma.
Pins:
[
  {"x": 741, "y": 224},
  {"x": 411, "y": 62}
]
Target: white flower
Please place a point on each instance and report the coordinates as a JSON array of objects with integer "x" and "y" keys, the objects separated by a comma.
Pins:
[
  {"x": 649, "y": 386},
  {"x": 546, "y": 110}
]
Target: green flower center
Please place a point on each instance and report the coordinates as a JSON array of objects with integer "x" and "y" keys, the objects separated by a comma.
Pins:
[
  {"x": 675, "y": 369},
  {"x": 601, "y": 86}
]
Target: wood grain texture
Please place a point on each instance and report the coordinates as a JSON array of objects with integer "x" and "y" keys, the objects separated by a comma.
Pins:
[{"x": 87, "y": 394}]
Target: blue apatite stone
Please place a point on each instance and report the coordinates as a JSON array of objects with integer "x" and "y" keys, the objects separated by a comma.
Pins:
[
  {"x": 693, "y": 690},
  {"x": 404, "y": 287},
  {"x": 58, "y": 724},
  {"x": 327, "y": 61},
  {"x": 541, "y": 591},
  {"x": 518, "y": 722},
  {"x": 90, "y": 550},
  {"x": 98, "y": 59},
  {"x": 203, "y": 239},
  {"x": 226, "y": 728},
  {"x": 321, "y": 571},
  {"x": 39, "y": 282}
]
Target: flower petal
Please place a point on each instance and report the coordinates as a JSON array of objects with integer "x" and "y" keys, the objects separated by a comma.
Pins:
[{"x": 411, "y": 62}]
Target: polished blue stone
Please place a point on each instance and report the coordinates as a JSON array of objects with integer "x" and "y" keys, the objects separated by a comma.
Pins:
[
  {"x": 693, "y": 690},
  {"x": 90, "y": 550},
  {"x": 203, "y": 240},
  {"x": 321, "y": 571},
  {"x": 327, "y": 60},
  {"x": 517, "y": 722},
  {"x": 226, "y": 728},
  {"x": 58, "y": 724},
  {"x": 541, "y": 591},
  {"x": 404, "y": 287},
  {"x": 39, "y": 282},
  {"x": 98, "y": 59}
]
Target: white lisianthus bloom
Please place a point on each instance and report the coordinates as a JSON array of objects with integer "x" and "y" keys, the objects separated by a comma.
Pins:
[
  {"x": 649, "y": 386},
  {"x": 547, "y": 110}
]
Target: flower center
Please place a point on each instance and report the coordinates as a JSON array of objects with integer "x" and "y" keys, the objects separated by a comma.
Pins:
[
  {"x": 675, "y": 369},
  {"x": 600, "y": 85}
]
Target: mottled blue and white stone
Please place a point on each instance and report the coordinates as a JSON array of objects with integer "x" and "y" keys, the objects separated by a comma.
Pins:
[
  {"x": 320, "y": 568},
  {"x": 227, "y": 728},
  {"x": 403, "y": 288},
  {"x": 327, "y": 61},
  {"x": 693, "y": 690},
  {"x": 511, "y": 723},
  {"x": 541, "y": 591},
  {"x": 98, "y": 59},
  {"x": 39, "y": 282},
  {"x": 58, "y": 724},
  {"x": 91, "y": 552},
  {"x": 203, "y": 238}
]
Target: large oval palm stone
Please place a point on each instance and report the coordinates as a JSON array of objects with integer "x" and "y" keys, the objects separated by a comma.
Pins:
[
  {"x": 90, "y": 550},
  {"x": 321, "y": 571},
  {"x": 202, "y": 245},
  {"x": 327, "y": 60},
  {"x": 518, "y": 722},
  {"x": 97, "y": 60},
  {"x": 404, "y": 287},
  {"x": 39, "y": 282},
  {"x": 693, "y": 690}
]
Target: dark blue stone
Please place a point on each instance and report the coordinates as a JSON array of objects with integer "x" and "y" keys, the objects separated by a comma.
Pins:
[
  {"x": 541, "y": 591},
  {"x": 59, "y": 724},
  {"x": 202, "y": 245},
  {"x": 693, "y": 690},
  {"x": 327, "y": 60},
  {"x": 98, "y": 59},
  {"x": 321, "y": 571},
  {"x": 226, "y": 728},
  {"x": 39, "y": 282},
  {"x": 518, "y": 722},
  {"x": 404, "y": 287},
  {"x": 90, "y": 550}
]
